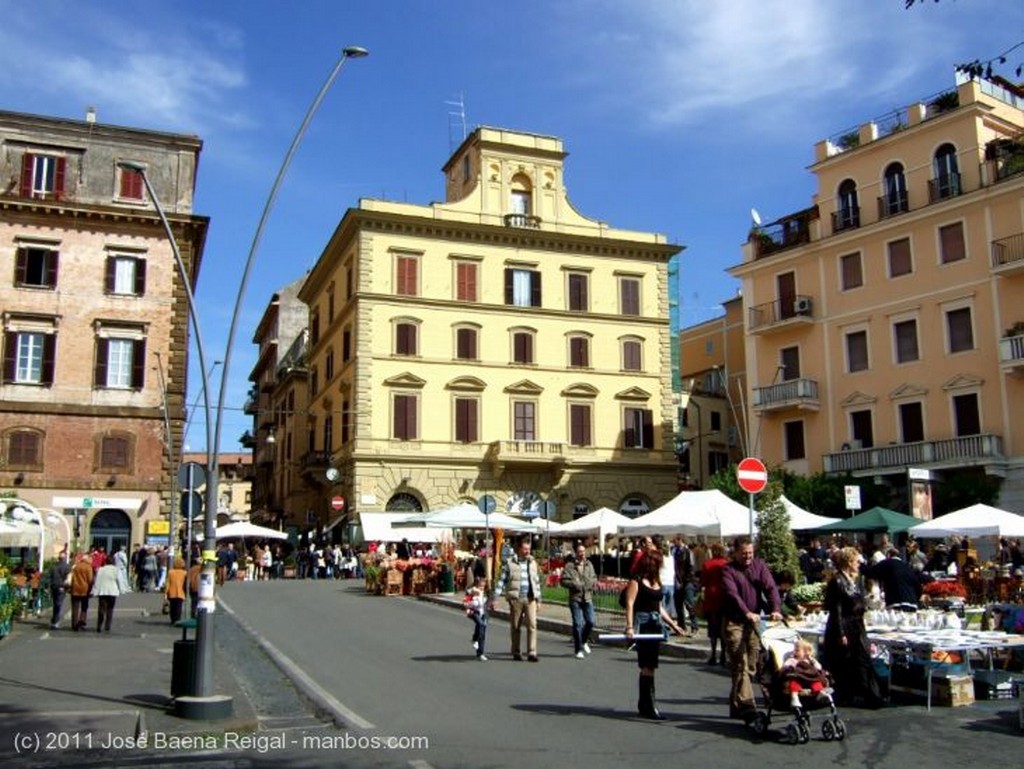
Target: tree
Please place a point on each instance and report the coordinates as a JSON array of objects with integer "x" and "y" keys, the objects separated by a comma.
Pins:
[
  {"x": 979, "y": 68},
  {"x": 775, "y": 543}
]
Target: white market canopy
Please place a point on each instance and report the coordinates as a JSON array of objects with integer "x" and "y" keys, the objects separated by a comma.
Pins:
[
  {"x": 801, "y": 520},
  {"x": 974, "y": 521},
  {"x": 246, "y": 530},
  {"x": 708, "y": 512},
  {"x": 466, "y": 515},
  {"x": 380, "y": 527},
  {"x": 601, "y": 523}
]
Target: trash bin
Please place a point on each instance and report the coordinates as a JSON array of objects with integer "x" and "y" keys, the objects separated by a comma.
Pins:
[
  {"x": 447, "y": 582},
  {"x": 183, "y": 669}
]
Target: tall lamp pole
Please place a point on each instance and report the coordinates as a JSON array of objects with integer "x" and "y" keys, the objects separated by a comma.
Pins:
[
  {"x": 206, "y": 705},
  {"x": 171, "y": 469}
]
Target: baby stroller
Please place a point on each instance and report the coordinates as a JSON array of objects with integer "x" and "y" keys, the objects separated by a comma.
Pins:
[{"x": 776, "y": 645}]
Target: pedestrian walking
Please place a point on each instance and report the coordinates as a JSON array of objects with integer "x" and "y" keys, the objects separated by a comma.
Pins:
[
  {"x": 714, "y": 593},
  {"x": 106, "y": 590},
  {"x": 121, "y": 562},
  {"x": 520, "y": 580},
  {"x": 81, "y": 586},
  {"x": 476, "y": 610},
  {"x": 579, "y": 578},
  {"x": 175, "y": 590},
  {"x": 646, "y": 615},
  {"x": 58, "y": 580}
]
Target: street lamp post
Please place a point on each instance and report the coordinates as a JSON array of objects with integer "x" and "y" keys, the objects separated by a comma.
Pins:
[
  {"x": 205, "y": 705},
  {"x": 173, "y": 507}
]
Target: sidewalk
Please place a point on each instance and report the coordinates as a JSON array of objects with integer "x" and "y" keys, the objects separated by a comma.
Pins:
[
  {"x": 87, "y": 683},
  {"x": 555, "y": 618}
]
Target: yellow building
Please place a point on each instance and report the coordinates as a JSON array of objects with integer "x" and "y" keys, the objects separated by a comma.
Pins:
[
  {"x": 498, "y": 343},
  {"x": 885, "y": 323},
  {"x": 712, "y": 429}
]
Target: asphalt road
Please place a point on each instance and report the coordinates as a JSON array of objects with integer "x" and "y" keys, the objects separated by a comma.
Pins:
[{"x": 400, "y": 668}]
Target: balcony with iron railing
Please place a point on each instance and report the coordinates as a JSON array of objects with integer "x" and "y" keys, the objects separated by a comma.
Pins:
[
  {"x": 788, "y": 232},
  {"x": 1008, "y": 255},
  {"x": 801, "y": 394},
  {"x": 893, "y": 205},
  {"x": 1011, "y": 354},
  {"x": 846, "y": 219},
  {"x": 526, "y": 221},
  {"x": 781, "y": 313},
  {"x": 970, "y": 450},
  {"x": 945, "y": 187}
]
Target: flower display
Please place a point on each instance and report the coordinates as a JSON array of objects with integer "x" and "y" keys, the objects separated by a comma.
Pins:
[{"x": 944, "y": 589}]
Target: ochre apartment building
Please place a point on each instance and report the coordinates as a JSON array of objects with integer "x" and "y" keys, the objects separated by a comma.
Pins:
[
  {"x": 885, "y": 322},
  {"x": 497, "y": 343}
]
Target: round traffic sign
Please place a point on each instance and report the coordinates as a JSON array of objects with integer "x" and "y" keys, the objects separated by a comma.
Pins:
[
  {"x": 752, "y": 475},
  {"x": 337, "y": 503}
]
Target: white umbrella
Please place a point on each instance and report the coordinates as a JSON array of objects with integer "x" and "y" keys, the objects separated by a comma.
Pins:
[
  {"x": 707, "y": 512},
  {"x": 974, "y": 521},
  {"x": 248, "y": 530},
  {"x": 800, "y": 519},
  {"x": 466, "y": 515},
  {"x": 601, "y": 523}
]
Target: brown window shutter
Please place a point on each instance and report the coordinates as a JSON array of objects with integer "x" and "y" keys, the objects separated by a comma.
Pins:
[
  {"x": 108, "y": 275},
  {"x": 20, "y": 267},
  {"x": 10, "y": 356},
  {"x": 138, "y": 364},
  {"x": 535, "y": 289},
  {"x": 99, "y": 378},
  {"x": 49, "y": 359},
  {"x": 52, "y": 258},
  {"x": 508, "y": 285},
  {"x": 27, "y": 164},
  {"x": 140, "y": 277},
  {"x": 648, "y": 429}
]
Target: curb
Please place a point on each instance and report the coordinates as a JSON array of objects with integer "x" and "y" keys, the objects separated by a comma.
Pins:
[{"x": 671, "y": 648}]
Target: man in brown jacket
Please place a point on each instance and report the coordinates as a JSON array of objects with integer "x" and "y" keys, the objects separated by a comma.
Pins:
[{"x": 81, "y": 585}]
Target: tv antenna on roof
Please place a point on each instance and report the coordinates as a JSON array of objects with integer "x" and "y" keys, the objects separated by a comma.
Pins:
[{"x": 456, "y": 119}]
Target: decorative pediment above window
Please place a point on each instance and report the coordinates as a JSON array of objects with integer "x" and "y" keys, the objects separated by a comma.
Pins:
[
  {"x": 858, "y": 399},
  {"x": 524, "y": 387},
  {"x": 405, "y": 379},
  {"x": 633, "y": 394},
  {"x": 963, "y": 382},
  {"x": 466, "y": 384},
  {"x": 908, "y": 391},
  {"x": 580, "y": 390}
]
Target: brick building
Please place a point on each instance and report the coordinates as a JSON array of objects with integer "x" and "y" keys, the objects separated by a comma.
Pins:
[{"x": 94, "y": 315}]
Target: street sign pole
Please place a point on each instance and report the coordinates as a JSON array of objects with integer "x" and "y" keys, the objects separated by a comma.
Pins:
[
  {"x": 752, "y": 476},
  {"x": 751, "y": 511}
]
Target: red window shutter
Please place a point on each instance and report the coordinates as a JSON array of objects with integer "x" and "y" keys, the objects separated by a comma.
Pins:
[
  {"x": 27, "y": 164},
  {"x": 109, "y": 274},
  {"x": 49, "y": 359},
  {"x": 10, "y": 356},
  {"x": 58, "y": 179},
  {"x": 99, "y": 378},
  {"x": 138, "y": 364},
  {"x": 140, "y": 277},
  {"x": 131, "y": 185}
]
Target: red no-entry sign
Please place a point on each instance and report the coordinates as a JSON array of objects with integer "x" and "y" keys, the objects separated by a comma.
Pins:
[
  {"x": 338, "y": 503},
  {"x": 752, "y": 475}
]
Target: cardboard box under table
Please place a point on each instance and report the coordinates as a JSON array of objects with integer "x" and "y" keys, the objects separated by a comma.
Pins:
[{"x": 953, "y": 691}]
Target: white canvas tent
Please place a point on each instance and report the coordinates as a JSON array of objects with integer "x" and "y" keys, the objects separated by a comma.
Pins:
[
  {"x": 707, "y": 512},
  {"x": 801, "y": 520},
  {"x": 974, "y": 521},
  {"x": 379, "y": 527},
  {"x": 602, "y": 523},
  {"x": 248, "y": 530},
  {"x": 465, "y": 515}
]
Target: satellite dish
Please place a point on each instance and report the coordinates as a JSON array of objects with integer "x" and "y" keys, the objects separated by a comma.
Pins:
[
  {"x": 755, "y": 216},
  {"x": 332, "y": 474}
]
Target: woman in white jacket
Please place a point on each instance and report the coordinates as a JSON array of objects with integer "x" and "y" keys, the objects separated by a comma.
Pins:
[{"x": 107, "y": 589}]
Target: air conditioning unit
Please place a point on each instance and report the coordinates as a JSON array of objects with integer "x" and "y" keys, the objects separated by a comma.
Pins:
[{"x": 802, "y": 305}]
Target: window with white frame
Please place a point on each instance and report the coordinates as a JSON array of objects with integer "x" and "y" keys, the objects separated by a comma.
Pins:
[
  {"x": 42, "y": 176},
  {"x": 638, "y": 428},
  {"x": 35, "y": 267},
  {"x": 404, "y": 416},
  {"x": 857, "y": 351},
  {"x": 629, "y": 296},
  {"x": 579, "y": 351},
  {"x": 632, "y": 355},
  {"x": 523, "y": 346},
  {"x": 952, "y": 247},
  {"x": 580, "y": 424},
  {"x": 467, "y": 420},
  {"x": 125, "y": 275},
  {"x": 524, "y": 420}
]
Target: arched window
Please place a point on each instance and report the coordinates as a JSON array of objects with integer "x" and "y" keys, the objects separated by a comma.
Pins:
[
  {"x": 895, "y": 198},
  {"x": 403, "y": 502},
  {"x": 946, "y": 183},
  {"x": 847, "y": 214},
  {"x": 520, "y": 204}
]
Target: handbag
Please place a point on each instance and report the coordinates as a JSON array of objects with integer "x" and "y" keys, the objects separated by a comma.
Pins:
[{"x": 67, "y": 580}]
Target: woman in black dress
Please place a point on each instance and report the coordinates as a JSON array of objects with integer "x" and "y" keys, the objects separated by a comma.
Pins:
[
  {"x": 847, "y": 653},
  {"x": 645, "y": 614}
]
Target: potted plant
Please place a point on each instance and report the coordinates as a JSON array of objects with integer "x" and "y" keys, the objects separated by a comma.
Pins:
[
  {"x": 945, "y": 102},
  {"x": 290, "y": 565},
  {"x": 848, "y": 141},
  {"x": 1017, "y": 329},
  {"x": 372, "y": 576}
]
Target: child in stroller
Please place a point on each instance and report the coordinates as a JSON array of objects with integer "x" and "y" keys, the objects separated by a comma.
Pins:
[{"x": 791, "y": 678}]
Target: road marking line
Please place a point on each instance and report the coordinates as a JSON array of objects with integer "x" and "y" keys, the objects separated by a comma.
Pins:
[{"x": 341, "y": 715}]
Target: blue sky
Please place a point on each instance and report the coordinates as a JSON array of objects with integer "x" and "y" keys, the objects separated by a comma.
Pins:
[{"x": 679, "y": 115}]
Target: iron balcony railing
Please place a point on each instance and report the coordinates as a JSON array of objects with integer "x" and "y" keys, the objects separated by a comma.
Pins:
[
  {"x": 950, "y": 452},
  {"x": 891, "y": 205},
  {"x": 944, "y": 187},
  {"x": 769, "y": 313},
  {"x": 1008, "y": 250},
  {"x": 314, "y": 459},
  {"x": 781, "y": 235},
  {"x": 846, "y": 219},
  {"x": 793, "y": 392},
  {"x": 528, "y": 221},
  {"x": 1011, "y": 349}
]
